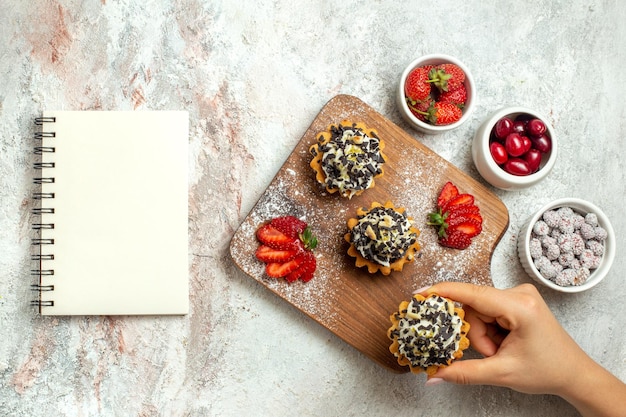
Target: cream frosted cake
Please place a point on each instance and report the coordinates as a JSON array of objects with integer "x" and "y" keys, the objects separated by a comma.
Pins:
[
  {"x": 428, "y": 333},
  {"x": 347, "y": 158},
  {"x": 383, "y": 238}
]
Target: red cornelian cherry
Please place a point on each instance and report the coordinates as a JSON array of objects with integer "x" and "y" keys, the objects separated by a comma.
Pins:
[
  {"x": 533, "y": 159},
  {"x": 519, "y": 126},
  {"x": 514, "y": 144},
  {"x": 526, "y": 143},
  {"x": 498, "y": 153},
  {"x": 542, "y": 143},
  {"x": 503, "y": 127},
  {"x": 536, "y": 127},
  {"x": 517, "y": 166}
]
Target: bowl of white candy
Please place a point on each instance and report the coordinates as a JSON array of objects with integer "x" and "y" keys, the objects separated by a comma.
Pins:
[{"x": 567, "y": 245}]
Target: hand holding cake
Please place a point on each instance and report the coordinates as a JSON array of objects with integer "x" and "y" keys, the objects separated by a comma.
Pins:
[{"x": 526, "y": 349}]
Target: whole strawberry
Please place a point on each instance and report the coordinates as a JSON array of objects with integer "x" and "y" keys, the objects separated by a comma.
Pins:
[
  {"x": 443, "y": 113},
  {"x": 447, "y": 77},
  {"x": 420, "y": 109},
  {"x": 417, "y": 86},
  {"x": 458, "y": 97}
]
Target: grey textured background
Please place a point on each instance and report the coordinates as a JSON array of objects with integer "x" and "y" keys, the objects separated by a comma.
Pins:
[{"x": 253, "y": 75}]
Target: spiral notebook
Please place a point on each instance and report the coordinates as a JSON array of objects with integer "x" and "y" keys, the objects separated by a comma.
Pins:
[{"x": 111, "y": 213}]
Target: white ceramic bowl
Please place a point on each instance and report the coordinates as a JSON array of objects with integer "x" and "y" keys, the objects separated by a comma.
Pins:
[
  {"x": 582, "y": 207},
  {"x": 493, "y": 173},
  {"x": 435, "y": 59}
]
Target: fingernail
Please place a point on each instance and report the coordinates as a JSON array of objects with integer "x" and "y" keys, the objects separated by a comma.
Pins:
[
  {"x": 434, "y": 381},
  {"x": 421, "y": 289}
]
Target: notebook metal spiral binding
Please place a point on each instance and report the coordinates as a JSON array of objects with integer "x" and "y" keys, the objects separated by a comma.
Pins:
[
  {"x": 42, "y": 303},
  {"x": 40, "y": 197},
  {"x": 37, "y": 287},
  {"x": 39, "y": 121}
]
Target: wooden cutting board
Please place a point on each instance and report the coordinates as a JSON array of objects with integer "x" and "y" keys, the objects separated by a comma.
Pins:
[{"x": 348, "y": 301}]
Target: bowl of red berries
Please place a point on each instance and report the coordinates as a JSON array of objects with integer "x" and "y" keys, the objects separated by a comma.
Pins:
[
  {"x": 567, "y": 245},
  {"x": 436, "y": 93},
  {"x": 514, "y": 148}
]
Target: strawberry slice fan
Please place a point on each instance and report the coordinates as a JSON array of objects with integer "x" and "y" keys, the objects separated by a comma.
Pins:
[
  {"x": 286, "y": 248},
  {"x": 457, "y": 218}
]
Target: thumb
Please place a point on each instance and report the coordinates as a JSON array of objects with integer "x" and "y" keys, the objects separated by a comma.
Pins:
[{"x": 471, "y": 372}]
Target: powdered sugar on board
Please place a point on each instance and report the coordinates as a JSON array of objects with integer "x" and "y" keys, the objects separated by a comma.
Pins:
[{"x": 350, "y": 302}]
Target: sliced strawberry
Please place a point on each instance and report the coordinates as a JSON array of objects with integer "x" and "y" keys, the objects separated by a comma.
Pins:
[
  {"x": 476, "y": 217},
  {"x": 448, "y": 192},
  {"x": 468, "y": 227},
  {"x": 306, "y": 269},
  {"x": 461, "y": 209},
  {"x": 286, "y": 249},
  {"x": 457, "y": 218},
  {"x": 473, "y": 218},
  {"x": 456, "y": 240},
  {"x": 307, "y": 276},
  {"x": 279, "y": 270},
  {"x": 274, "y": 238},
  {"x": 308, "y": 266},
  {"x": 457, "y": 201},
  {"x": 293, "y": 276},
  {"x": 267, "y": 254},
  {"x": 289, "y": 225},
  {"x": 469, "y": 211}
]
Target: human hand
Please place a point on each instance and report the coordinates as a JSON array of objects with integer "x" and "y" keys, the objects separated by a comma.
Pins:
[
  {"x": 525, "y": 347},
  {"x": 527, "y": 350}
]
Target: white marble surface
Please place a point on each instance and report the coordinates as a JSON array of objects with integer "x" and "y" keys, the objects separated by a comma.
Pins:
[{"x": 253, "y": 75}]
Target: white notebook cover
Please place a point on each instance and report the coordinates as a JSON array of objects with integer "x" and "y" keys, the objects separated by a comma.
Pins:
[{"x": 120, "y": 213}]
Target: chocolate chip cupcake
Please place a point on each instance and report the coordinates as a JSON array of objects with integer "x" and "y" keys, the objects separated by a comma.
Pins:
[
  {"x": 347, "y": 158},
  {"x": 428, "y": 333},
  {"x": 382, "y": 238}
]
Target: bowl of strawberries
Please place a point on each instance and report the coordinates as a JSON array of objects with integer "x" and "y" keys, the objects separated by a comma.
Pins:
[
  {"x": 436, "y": 93},
  {"x": 514, "y": 148}
]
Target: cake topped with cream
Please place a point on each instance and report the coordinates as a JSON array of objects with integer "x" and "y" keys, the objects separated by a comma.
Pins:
[
  {"x": 428, "y": 333},
  {"x": 347, "y": 158},
  {"x": 382, "y": 238},
  {"x": 383, "y": 235}
]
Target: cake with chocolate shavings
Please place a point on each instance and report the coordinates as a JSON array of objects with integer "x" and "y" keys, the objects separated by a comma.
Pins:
[
  {"x": 382, "y": 238},
  {"x": 347, "y": 158},
  {"x": 428, "y": 333}
]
